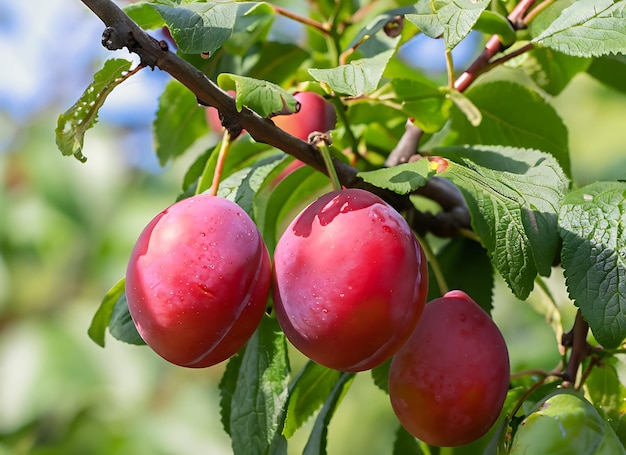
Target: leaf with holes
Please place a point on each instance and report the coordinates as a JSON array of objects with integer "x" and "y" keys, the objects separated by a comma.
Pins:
[{"x": 74, "y": 123}]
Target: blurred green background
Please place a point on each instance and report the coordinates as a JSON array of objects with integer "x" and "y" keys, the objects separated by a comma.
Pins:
[{"x": 66, "y": 230}]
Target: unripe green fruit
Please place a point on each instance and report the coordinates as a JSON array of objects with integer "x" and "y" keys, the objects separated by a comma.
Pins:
[{"x": 565, "y": 424}]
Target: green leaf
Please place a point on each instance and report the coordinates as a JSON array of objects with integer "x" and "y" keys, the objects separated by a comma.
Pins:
[
  {"x": 378, "y": 23},
  {"x": 227, "y": 386},
  {"x": 513, "y": 196},
  {"x": 144, "y": 14},
  {"x": 179, "y": 122},
  {"x": 74, "y": 123},
  {"x": 380, "y": 376},
  {"x": 253, "y": 180},
  {"x": 278, "y": 62},
  {"x": 454, "y": 18},
  {"x": 552, "y": 70},
  {"x": 588, "y": 28},
  {"x": 122, "y": 326},
  {"x": 526, "y": 120},
  {"x": 605, "y": 386},
  {"x": 243, "y": 153},
  {"x": 592, "y": 223},
  {"x": 307, "y": 393},
  {"x": 359, "y": 77},
  {"x": 257, "y": 403},
  {"x": 426, "y": 19},
  {"x": 402, "y": 179},
  {"x": 610, "y": 70},
  {"x": 316, "y": 444},
  {"x": 100, "y": 321},
  {"x": 492, "y": 23},
  {"x": 473, "y": 115},
  {"x": 204, "y": 27},
  {"x": 275, "y": 203},
  {"x": 477, "y": 278},
  {"x": 423, "y": 101},
  {"x": 264, "y": 98},
  {"x": 405, "y": 443}
]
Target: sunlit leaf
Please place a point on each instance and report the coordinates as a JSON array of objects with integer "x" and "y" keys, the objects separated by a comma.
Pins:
[
  {"x": 203, "y": 27},
  {"x": 588, "y": 28},
  {"x": 513, "y": 196},
  {"x": 307, "y": 393},
  {"x": 403, "y": 178},
  {"x": 265, "y": 98},
  {"x": 256, "y": 407}
]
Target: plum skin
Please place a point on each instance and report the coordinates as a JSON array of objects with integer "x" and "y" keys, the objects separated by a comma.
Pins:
[
  {"x": 448, "y": 384},
  {"x": 350, "y": 281},
  {"x": 198, "y": 280}
]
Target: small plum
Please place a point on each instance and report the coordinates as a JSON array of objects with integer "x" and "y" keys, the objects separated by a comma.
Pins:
[
  {"x": 197, "y": 281},
  {"x": 448, "y": 383},
  {"x": 350, "y": 280},
  {"x": 315, "y": 114}
]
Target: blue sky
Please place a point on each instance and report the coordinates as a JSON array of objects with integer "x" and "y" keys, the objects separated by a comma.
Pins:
[{"x": 50, "y": 50}]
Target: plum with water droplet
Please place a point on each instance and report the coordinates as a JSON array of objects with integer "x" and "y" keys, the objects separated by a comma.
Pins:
[
  {"x": 197, "y": 281},
  {"x": 448, "y": 383},
  {"x": 350, "y": 280}
]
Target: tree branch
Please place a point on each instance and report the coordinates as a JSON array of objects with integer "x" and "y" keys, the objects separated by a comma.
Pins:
[{"x": 121, "y": 31}]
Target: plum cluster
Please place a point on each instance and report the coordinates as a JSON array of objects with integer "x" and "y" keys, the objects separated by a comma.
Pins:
[{"x": 350, "y": 283}]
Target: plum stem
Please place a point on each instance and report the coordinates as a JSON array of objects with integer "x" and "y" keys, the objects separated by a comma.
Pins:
[
  {"x": 219, "y": 166},
  {"x": 321, "y": 142}
]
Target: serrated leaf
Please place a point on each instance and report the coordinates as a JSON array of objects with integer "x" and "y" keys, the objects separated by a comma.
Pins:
[
  {"x": 178, "y": 123},
  {"x": 122, "y": 326},
  {"x": 401, "y": 179},
  {"x": 227, "y": 386},
  {"x": 243, "y": 153},
  {"x": 307, "y": 393},
  {"x": 405, "y": 443},
  {"x": 380, "y": 376},
  {"x": 316, "y": 444},
  {"x": 102, "y": 317},
  {"x": 204, "y": 27},
  {"x": 605, "y": 387},
  {"x": 591, "y": 222},
  {"x": 261, "y": 392},
  {"x": 588, "y": 28},
  {"x": 610, "y": 70},
  {"x": 359, "y": 77},
  {"x": 514, "y": 196},
  {"x": 452, "y": 18},
  {"x": 477, "y": 280},
  {"x": 253, "y": 180},
  {"x": 74, "y": 123},
  {"x": 264, "y": 98},
  {"x": 425, "y": 18},
  {"x": 516, "y": 116}
]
